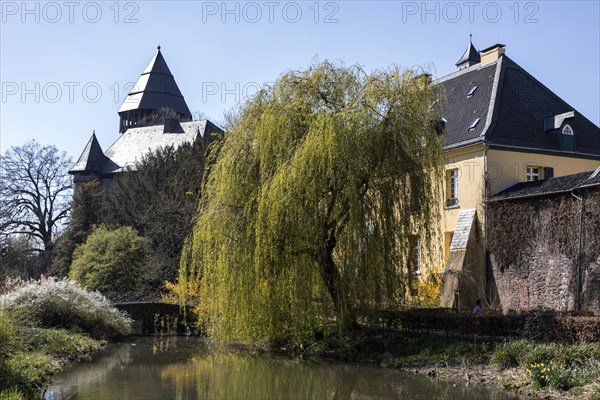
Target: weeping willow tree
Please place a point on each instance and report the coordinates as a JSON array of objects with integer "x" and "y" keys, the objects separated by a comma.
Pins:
[{"x": 313, "y": 201}]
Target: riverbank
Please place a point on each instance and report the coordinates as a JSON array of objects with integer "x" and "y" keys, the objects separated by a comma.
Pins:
[
  {"x": 31, "y": 356},
  {"x": 525, "y": 368},
  {"x": 46, "y": 325}
]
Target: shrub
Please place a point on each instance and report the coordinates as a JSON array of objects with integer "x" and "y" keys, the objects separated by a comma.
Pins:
[
  {"x": 510, "y": 354},
  {"x": 52, "y": 303},
  {"x": 553, "y": 374},
  {"x": 110, "y": 260}
]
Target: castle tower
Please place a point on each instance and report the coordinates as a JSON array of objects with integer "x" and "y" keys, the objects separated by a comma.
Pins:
[{"x": 154, "y": 92}]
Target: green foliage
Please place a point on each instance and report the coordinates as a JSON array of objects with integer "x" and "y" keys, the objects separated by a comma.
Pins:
[
  {"x": 86, "y": 212},
  {"x": 12, "y": 394},
  {"x": 511, "y": 353},
  {"x": 34, "y": 355},
  {"x": 50, "y": 303},
  {"x": 427, "y": 290},
  {"x": 312, "y": 202},
  {"x": 7, "y": 333},
  {"x": 553, "y": 375},
  {"x": 30, "y": 371},
  {"x": 595, "y": 395},
  {"x": 555, "y": 365},
  {"x": 110, "y": 260},
  {"x": 159, "y": 200}
]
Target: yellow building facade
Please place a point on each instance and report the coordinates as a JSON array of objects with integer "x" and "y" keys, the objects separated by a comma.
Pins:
[{"x": 501, "y": 127}]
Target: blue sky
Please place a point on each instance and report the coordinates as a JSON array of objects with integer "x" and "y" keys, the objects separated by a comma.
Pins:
[{"x": 65, "y": 66}]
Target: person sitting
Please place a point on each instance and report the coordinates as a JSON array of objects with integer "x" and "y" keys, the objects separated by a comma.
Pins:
[{"x": 478, "y": 310}]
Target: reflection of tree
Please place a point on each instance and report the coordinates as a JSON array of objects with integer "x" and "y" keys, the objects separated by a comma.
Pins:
[
  {"x": 182, "y": 368},
  {"x": 89, "y": 374}
]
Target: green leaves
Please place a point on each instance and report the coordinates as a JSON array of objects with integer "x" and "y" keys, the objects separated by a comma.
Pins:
[
  {"x": 110, "y": 260},
  {"x": 281, "y": 243}
]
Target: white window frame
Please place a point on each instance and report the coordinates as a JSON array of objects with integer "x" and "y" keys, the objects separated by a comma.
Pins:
[
  {"x": 533, "y": 173},
  {"x": 567, "y": 130},
  {"x": 453, "y": 176}
]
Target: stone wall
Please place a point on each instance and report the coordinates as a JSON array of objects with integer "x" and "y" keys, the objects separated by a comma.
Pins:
[{"x": 534, "y": 245}]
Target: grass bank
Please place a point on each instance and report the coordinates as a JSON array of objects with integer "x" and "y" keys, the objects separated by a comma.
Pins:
[
  {"x": 47, "y": 324},
  {"x": 31, "y": 356},
  {"x": 524, "y": 367}
]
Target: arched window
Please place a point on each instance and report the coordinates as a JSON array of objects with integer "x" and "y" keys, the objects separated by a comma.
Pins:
[{"x": 567, "y": 130}]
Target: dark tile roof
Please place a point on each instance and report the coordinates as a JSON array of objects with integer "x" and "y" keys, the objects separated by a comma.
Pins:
[
  {"x": 550, "y": 186},
  {"x": 92, "y": 159},
  {"x": 156, "y": 88},
  {"x": 513, "y": 107},
  {"x": 470, "y": 56},
  {"x": 524, "y": 104},
  {"x": 461, "y": 110}
]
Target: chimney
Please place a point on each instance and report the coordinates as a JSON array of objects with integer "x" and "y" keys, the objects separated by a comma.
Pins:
[{"x": 492, "y": 53}]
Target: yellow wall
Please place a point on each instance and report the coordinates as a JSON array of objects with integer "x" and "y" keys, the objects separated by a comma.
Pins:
[
  {"x": 469, "y": 162},
  {"x": 505, "y": 168}
]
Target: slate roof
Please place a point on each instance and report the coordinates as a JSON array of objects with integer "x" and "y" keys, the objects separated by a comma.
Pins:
[
  {"x": 513, "y": 107},
  {"x": 471, "y": 56},
  {"x": 156, "y": 88},
  {"x": 92, "y": 158},
  {"x": 132, "y": 145},
  {"x": 549, "y": 186}
]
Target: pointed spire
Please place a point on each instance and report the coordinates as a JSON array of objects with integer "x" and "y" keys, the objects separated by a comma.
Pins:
[
  {"x": 470, "y": 57},
  {"x": 92, "y": 158},
  {"x": 155, "y": 89}
]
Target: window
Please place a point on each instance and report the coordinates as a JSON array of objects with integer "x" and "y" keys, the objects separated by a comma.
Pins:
[
  {"x": 567, "y": 139},
  {"x": 474, "y": 124},
  {"x": 471, "y": 91},
  {"x": 416, "y": 247},
  {"x": 533, "y": 174},
  {"x": 452, "y": 181}
]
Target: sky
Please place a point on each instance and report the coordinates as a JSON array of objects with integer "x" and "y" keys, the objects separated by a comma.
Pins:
[{"x": 66, "y": 66}]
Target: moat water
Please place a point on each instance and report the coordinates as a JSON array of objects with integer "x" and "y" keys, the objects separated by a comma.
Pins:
[{"x": 189, "y": 368}]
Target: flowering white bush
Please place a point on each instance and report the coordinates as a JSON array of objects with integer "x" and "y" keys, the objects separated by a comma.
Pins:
[{"x": 52, "y": 303}]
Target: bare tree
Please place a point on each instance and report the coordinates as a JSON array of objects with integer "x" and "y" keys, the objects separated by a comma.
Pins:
[{"x": 35, "y": 193}]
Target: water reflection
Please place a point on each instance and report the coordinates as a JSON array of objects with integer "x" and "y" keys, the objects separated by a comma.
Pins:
[{"x": 187, "y": 368}]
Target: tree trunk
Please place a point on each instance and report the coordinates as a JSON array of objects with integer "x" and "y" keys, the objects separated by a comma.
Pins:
[{"x": 331, "y": 277}]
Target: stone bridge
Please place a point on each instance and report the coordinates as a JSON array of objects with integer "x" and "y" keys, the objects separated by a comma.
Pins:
[{"x": 151, "y": 315}]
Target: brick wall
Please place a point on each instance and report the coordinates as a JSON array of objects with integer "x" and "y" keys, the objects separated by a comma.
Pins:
[{"x": 534, "y": 245}]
